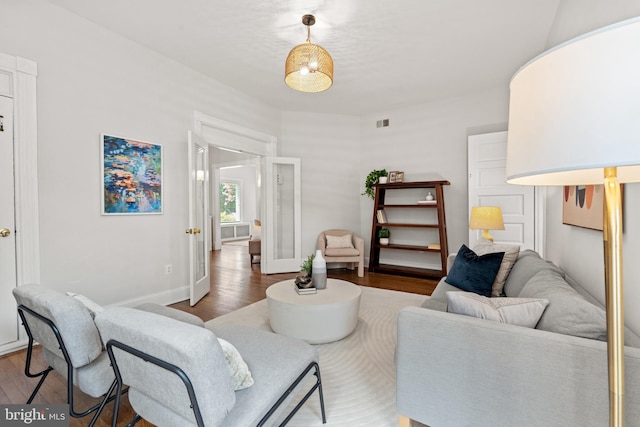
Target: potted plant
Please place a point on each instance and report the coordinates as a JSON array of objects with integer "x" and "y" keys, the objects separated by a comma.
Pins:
[
  {"x": 304, "y": 280},
  {"x": 383, "y": 236},
  {"x": 307, "y": 265},
  {"x": 375, "y": 176}
]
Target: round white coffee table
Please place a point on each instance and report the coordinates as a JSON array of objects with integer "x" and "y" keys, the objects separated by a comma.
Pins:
[{"x": 328, "y": 315}]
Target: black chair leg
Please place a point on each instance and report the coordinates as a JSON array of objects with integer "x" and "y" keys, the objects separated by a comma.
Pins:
[
  {"x": 43, "y": 376},
  {"x": 321, "y": 395},
  {"x": 317, "y": 385},
  {"x": 107, "y": 398},
  {"x": 135, "y": 419}
]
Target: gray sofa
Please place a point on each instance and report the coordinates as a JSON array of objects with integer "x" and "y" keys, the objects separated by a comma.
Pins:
[{"x": 456, "y": 370}]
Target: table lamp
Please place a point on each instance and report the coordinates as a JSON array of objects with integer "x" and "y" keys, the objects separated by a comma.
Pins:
[
  {"x": 486, "y": 218},
  {"x": 573, "y": 120}
]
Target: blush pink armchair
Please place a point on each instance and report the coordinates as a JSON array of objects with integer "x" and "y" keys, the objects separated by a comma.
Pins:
[{"x": 342, "y": 246}]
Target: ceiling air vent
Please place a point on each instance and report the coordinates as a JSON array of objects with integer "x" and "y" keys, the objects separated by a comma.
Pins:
[{"x": 382, "y": 123}]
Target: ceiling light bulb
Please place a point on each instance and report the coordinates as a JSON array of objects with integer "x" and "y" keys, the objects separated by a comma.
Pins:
[
  {"x": 304, "y": 70},
  {"x": 313, "y": 65}
]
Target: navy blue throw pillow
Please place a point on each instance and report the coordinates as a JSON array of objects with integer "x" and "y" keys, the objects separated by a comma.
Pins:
[{"x": 473, "y": 273}]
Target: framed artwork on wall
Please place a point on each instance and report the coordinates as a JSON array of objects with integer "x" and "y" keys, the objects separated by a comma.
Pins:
[
  {"x": 131, "y": 176},
  {"x": 582, "y": 206}
]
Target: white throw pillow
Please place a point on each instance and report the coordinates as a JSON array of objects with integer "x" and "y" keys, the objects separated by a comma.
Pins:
[
  {"x": 92, "y": 306},
  {"x": 511, "y": 253},
  {"x": 238, "y": 369},
  {"x": 514, "y": 311},
  {"x": 335, "y": 242}
]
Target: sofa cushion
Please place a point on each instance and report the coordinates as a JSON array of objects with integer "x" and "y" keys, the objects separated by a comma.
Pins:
[
  {"x": 434, "y": 304},
  {"x": 339, "y": 241},
  {"x": 240, "y": 375},
  {"x": 440, "y": 292},
  {"x": 631, "y": 338},
  {"x": 568, "y": 312},
  {"x": 529, "y": 263},
  {"x": 514, "y": 311},
  {"x": 510, "y": 257},
  {"x": 474, "y": 273}
]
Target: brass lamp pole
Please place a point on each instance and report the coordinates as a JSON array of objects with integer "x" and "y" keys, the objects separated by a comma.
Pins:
[{"x": 612, "y": 236}]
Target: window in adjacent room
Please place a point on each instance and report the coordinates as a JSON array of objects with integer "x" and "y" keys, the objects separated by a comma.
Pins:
[{"x": 230, "y": 201}]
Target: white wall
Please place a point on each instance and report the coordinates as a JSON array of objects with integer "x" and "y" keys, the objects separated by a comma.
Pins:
[
  {"x": 92, "y": 81},
  {"x": 427, "y": 140},
  {"x": 330, "y": 153},
  {"x": 580, "y": 251}
]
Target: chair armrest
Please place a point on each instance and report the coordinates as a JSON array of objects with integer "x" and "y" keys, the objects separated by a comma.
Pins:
[
  {"x": 172, "y": 313},
  {"x": 358, "y": 243},
  {"x": 322, "y": 243}
]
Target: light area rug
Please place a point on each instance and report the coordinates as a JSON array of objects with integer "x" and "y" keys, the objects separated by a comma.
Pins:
[{"x": 358, "y": 372}]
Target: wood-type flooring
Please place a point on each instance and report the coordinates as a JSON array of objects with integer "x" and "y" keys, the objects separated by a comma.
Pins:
[{"x": 235, "y": 283}]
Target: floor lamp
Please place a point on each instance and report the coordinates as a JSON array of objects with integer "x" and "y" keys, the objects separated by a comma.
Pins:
[{"x": 573, "y": 120}]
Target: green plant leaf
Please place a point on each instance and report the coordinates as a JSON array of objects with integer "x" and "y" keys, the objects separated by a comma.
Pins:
[{"x": 371, "y": 180}]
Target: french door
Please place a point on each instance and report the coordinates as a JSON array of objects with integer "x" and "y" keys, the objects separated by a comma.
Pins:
[
  {"x": 198, "y": 231},
  {"x": 281, "y": 242}
]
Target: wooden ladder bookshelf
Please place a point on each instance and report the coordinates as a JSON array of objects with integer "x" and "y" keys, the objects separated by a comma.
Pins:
[{"x": 439, "y": 225}]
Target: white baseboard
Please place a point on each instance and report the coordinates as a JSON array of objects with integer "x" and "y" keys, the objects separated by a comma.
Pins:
[
  {"x": 13, "y": 346},
  {"x": 165, "y": 298}
]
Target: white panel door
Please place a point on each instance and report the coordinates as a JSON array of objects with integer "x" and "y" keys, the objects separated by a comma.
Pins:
[
  {"x": 281, "y": 236},
  {"x": 198, "y": 231},
  {"x": 487, "y": 187},
  {"x": 8, "y": 313}
]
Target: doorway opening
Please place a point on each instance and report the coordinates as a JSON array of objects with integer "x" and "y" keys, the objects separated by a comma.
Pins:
[
  {"x": 235, "y": 147},
  {"x": 235, "y": 202}
]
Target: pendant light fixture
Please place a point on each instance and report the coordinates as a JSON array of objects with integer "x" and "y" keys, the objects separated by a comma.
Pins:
[{"x": 309, "y": 67}]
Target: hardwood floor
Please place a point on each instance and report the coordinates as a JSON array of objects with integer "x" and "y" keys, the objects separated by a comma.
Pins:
[{"x": 235, "y": 283}]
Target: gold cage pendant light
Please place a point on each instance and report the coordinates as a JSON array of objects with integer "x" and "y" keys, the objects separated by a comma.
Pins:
[{"x": 309, "y": 67}]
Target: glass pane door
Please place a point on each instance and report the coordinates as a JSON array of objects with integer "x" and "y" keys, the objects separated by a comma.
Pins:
[{"x": 282, "y": 213}]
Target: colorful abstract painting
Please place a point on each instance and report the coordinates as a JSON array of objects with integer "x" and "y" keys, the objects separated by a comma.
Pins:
[
  {"x": 582, "y": 205},
  {"x": 131, "y": 176}
]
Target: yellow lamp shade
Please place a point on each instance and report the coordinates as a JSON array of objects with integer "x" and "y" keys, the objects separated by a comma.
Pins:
[{"x": 486, "y": 218}]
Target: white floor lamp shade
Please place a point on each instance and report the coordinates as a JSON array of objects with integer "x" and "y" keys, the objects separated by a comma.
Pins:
[
  {"x": 574, "y": 119},
  {"x": 575, "y": 110}
]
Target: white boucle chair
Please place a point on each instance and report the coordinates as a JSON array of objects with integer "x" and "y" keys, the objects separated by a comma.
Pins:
[{"x": 178, "y": 375}]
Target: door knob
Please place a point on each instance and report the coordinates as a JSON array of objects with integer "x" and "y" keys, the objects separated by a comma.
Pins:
[
  {"x": 196, "y": 231},
  {"x": 192, "y": 231},
  {"x": 4, "y": 232}
]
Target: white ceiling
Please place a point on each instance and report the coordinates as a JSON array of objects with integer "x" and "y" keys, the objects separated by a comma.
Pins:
[{"x": 387, "y": 53}]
